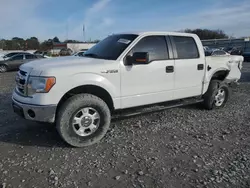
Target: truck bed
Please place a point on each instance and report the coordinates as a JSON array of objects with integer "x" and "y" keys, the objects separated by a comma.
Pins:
[{"x": 232, "y": 63}]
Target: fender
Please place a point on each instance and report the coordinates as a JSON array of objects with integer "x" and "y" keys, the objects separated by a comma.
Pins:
[
  {"x": 209, "y": 76},
  {"x": 81, "y": 79},
  {"x": 97, "y": 80},
  {"x": 6, "y": 65}
]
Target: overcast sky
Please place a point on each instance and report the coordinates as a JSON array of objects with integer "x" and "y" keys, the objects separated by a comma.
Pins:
[{"x": 65, "y": 18}]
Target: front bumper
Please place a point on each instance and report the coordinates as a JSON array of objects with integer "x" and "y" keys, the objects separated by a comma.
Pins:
[{"x": 35, "y": 112}]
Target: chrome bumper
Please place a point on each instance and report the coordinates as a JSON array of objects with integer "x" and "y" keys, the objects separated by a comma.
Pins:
[{"x": 35, "y": 112}]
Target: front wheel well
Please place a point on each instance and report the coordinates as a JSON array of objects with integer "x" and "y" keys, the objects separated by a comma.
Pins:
[
  {"x": 220, "y": 75},
  {"x": 89, "y": 89}
]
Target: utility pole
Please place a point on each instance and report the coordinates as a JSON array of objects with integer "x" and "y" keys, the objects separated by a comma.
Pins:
[
  {"x": 83, "y": 32},
  {"x": 67, "y": 30}
]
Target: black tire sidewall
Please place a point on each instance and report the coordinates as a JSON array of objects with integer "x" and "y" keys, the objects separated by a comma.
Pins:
[
  {"x": 70, "y": 108},
  {"x": 209, "y": 97}
]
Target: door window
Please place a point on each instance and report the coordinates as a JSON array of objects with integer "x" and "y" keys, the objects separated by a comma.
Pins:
[
  {"x": 30, "y": 57},
  {"x": 17, "y": 57},
  {"x": 186, "y": 47},
  {"x": 156, "y": 47}
]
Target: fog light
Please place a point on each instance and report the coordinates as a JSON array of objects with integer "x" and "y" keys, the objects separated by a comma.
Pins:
[{"x": 31, "y": 113}]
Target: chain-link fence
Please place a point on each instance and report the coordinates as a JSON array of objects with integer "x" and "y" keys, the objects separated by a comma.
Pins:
[{"x": 242, "y": 44}]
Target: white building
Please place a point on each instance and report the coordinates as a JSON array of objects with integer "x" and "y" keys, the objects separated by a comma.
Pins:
[{"x": 75, "y": 47}]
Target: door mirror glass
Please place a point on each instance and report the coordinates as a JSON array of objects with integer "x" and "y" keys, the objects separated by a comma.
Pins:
[{"x": 138, "y": 58}]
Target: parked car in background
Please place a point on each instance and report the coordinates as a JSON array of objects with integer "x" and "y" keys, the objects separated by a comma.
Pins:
[
  {"x": 15, "y": 61},
  {"x": 208, "y": 51},
  {"x": 233, "y": 50},
  {"x": 42, "y": 53},
  {"x": 11, "y": 54},
  {"x": 246, "y": 56},
  {"x": 2, "y": 54},
  {"x": 65, "y": 52},
  {"x": 219, "y": 53}
]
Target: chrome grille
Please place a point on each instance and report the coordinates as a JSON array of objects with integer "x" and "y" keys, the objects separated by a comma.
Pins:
[{"x": 21, "y": 80}]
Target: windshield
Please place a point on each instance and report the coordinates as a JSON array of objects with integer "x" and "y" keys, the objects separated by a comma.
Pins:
[
  {"x": 9, "y": 55},
  {"x": 111, "y": 47}
]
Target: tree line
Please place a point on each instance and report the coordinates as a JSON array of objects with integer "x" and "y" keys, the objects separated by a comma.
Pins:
[
  {"x": 206, "y": 34},
  {"x": 33, "y": 43}
]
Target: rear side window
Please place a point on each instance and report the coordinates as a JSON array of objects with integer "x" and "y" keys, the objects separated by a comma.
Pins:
[
  {"x": 156, "y": 46},
  {"x": 186, "y": 47},
  {"x": 30, "y": 57}
]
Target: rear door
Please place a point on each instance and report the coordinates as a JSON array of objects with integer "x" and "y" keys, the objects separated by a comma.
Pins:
[
  {"x": 29, "y": 57},
  {"x": 189, "y": 67}
]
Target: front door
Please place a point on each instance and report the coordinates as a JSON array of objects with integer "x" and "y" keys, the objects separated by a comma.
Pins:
[
  {"x": 148, "y": 83},
  {"x": 189, "y": 67},
  {"x": 16, "y": 61}
]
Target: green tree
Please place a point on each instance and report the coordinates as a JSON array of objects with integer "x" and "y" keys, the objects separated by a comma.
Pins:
[
  {"x": 17, "y": 43},
  {"x": 32, "y": 43},
  {"x": 56, "y": 39},
  {"x": 208, "y": 34},
  {"x": 46, "y": 45}
]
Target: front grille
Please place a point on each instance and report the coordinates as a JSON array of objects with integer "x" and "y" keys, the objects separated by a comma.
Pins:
[{"x": 21, "y": 81}]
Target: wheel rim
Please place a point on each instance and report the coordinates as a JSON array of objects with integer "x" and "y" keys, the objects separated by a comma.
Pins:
[
  {"x": 2, "y": 68},
  {"x": 220, "y": 97},
  {"x": 86, "y": 121}
]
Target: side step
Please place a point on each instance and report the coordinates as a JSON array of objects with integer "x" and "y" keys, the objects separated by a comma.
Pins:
[{"x": 155, "y": 108}]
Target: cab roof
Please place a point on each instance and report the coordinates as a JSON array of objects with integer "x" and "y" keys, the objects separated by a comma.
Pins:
[{"x": 158, "y": 33}]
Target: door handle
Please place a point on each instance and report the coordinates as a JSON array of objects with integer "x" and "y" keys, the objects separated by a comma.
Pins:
[
  {"x": 200, "y": 67},
  {"x": 169, "y": 69}
]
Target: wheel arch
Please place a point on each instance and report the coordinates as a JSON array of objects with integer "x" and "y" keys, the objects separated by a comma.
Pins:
[
  {"x": 219, "y": 74},
  {"x": 6, "y": 64},
  {"x": 89, "y": 89}
]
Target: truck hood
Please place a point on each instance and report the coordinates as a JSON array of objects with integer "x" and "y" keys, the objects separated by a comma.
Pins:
[{"x": 57, "y": 64}]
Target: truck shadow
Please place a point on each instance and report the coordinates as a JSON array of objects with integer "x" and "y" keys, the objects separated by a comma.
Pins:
[{"x": 33, "y": 134}]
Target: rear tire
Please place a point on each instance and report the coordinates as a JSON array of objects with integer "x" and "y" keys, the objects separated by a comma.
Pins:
[
  {"x": 83, "y": 120},
  {"x": 217, "y": 95},
  {"x": 3, "y": 68}
]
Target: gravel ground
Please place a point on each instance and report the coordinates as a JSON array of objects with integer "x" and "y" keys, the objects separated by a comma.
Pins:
[{"x": 180, "y": 147}]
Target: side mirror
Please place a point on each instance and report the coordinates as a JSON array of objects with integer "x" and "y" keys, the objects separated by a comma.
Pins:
[{"x": 138, "y": 58}]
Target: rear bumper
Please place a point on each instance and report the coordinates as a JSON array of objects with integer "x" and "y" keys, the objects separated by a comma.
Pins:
[{"x": 35, "y": 112}]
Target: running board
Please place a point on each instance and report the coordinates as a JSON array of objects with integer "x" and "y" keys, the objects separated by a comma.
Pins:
[{"x": 154, "y": 108}]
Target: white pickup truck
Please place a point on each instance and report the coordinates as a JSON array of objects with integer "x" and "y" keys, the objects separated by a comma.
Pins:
[{"x": 126, "y": 70}]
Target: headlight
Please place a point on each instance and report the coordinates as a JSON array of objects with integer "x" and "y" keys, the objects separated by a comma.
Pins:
[{"x": 40, "y": 84}]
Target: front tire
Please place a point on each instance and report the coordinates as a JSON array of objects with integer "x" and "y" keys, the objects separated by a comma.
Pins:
[
  {"x": 83, "y": 120},
  {"x": 217, "y": 95}
]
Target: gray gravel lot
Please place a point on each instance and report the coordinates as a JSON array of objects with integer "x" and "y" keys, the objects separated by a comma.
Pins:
[{"x": 180, "y": 147}]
